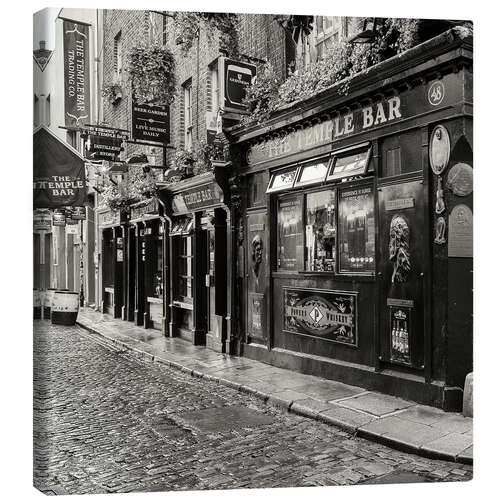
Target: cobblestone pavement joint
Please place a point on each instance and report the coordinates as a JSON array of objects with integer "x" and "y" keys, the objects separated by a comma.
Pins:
[
  {"x": 397, "y": 423},
  {"x": 106, "y": 420}
]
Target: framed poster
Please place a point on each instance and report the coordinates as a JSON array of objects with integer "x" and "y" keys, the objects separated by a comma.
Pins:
[
  {"x": 325, "y": 314},
  {"x": 257, "y": 309},
  {"x": 356, "y": 230},
  {"x": 290, "y": 233}
]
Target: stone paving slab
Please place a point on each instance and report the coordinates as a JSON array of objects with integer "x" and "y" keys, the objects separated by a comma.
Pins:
[{"x": 392, "y": 421}]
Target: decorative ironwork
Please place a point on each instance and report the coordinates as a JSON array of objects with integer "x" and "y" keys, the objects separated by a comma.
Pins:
[
  {"x": 440, "y": 206},
  {"x": 440, "y": 230},
  {"x": 399, "y": 249}
]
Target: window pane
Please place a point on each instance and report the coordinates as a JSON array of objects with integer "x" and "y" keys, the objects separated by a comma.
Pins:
[
  {"x": 320, "y": 231},
  {"x": 349, "y": 165},
  {"x": 356, "y": 230},
  {"x": 313, "y": 172},
  {"x": 282, "y": 180},
  {"x": 290, "y": 234}
]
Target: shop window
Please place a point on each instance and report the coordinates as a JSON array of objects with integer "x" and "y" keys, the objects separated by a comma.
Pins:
[
  {"x": 349, "y": 162},
  {"x": 320, "y": 231},
  {"x": 158, "y": 271},
  {"x": 184, "y": 270},
  {"x": 312, "y": 172},
  {"x": 356, "y": 230},
  {"x": 290, "y": 233},
  {"x": 283, "y": 179}
]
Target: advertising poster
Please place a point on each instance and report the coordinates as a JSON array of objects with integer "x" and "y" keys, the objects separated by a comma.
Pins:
[
  {"x": 329, "y": 315},
  {"x": 357, "y": 230},
  {"x": 290, "y": 236}
]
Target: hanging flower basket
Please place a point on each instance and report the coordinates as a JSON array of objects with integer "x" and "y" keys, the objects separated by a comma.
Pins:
[
  {"x": 151, "y": 70},
  {"x": 113, "y": 93}
]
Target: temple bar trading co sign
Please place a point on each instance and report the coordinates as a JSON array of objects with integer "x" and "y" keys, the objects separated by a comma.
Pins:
[
  {"x": 346, "y": 123},
  {"x": 76, "y": 73},
  {"x": 329, "y": 315},
  {"x": 150, "y": 123}
]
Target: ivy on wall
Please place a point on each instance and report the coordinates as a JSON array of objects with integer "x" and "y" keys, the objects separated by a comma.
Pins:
[
  {"x": 152, "y": 74},
  {"x": 188, "y": 25},
  {"x": 341, "y": 62}
]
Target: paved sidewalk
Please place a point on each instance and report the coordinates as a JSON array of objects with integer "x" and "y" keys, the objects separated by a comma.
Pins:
[{"x": 392, "y": 421}]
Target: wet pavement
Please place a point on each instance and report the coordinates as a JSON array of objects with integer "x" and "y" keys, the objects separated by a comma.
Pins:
[{"x": 105, "y": 421}]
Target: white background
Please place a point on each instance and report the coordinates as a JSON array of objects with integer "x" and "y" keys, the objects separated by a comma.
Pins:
[{"x": 16, "y": 239}]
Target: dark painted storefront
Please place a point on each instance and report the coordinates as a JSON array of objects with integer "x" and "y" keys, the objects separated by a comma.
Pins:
[
  {"x": 200, "y": 256},
  {"x": 355, "y": 255},
  {"x": 111, "y": 230}
]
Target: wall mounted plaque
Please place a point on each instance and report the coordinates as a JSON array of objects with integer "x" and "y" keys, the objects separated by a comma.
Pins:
[
  {"x": 328, "y": 315},
  {"x": 439, "y": 149},
  {"x": 459, "y": 179},
  {"x": 460, "y": 240}
]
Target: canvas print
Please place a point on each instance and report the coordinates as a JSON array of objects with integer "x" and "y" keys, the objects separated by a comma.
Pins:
[{"x": 252, "y": 250}]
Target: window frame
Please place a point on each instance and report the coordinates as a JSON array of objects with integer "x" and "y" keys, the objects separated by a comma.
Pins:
[
  {"x": 345, "y": 152},
  {"x": 188, "y": 114},
  {"x": 367, "y": 182},
  {"x": 179, "y": 256},
  {"x": 118, "y": 55}
]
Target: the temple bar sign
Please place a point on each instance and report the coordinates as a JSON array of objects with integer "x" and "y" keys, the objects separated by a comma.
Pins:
[
  {"x": 58, "y": 173},
  {"x": 344, "y": 124}
]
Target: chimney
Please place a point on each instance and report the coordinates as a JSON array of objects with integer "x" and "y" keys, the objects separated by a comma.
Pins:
[{"x": 42, "y": 44}]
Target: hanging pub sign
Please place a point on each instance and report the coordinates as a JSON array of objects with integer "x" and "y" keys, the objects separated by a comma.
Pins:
[
  {"x": 237, "y": 77},
  {"x": 150, "y": 123},
  {"x": 59, "y": 218},
  {"x": 329, "y": 315},
  {"x": 78, "y": 213},
  {"x": 103, "y": 144},
  {"x": 76, "y": 73},
  {"x": 149, "y": 207},
  {"x": 58, "y": 172},
  {"x": 42, "y": 222}
]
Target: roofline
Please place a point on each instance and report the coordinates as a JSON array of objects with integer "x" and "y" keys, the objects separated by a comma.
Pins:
[{"x": 384, "y": 72}]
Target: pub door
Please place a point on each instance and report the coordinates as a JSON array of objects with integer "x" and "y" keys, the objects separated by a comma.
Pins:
[
  {"x": 256, "y": 278},
  {"x": 402, "y": 240},
  {"x": 216, "y": 280}
]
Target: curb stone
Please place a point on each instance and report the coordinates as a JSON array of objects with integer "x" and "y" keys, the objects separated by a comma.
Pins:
[{"x": 291, "y": 407}]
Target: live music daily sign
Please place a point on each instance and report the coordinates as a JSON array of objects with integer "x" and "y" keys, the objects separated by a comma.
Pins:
[{"x": 151, "y": 123}]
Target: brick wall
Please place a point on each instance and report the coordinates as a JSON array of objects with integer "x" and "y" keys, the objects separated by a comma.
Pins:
[{"x": 259, "y": 36}]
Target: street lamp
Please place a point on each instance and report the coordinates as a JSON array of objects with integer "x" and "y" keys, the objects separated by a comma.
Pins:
[{"x": 368, "y": 33}]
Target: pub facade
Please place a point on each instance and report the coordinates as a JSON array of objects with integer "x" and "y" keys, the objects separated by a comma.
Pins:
[
  {"x": 355, "y": 255},
  {"x": 199, "y": 242}
]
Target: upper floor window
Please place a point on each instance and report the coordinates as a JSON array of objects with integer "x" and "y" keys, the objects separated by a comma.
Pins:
[
  {"x": 188, "y": 115},
  {"x": 47, "y": 110},
  {"x": 213, "y": 88},
  {"x": 328, "y": 30},
  {"x": 118, "y": 55}
]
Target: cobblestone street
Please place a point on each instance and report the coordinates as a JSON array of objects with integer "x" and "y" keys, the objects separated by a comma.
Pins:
[{"x": 107, "y": 422}]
